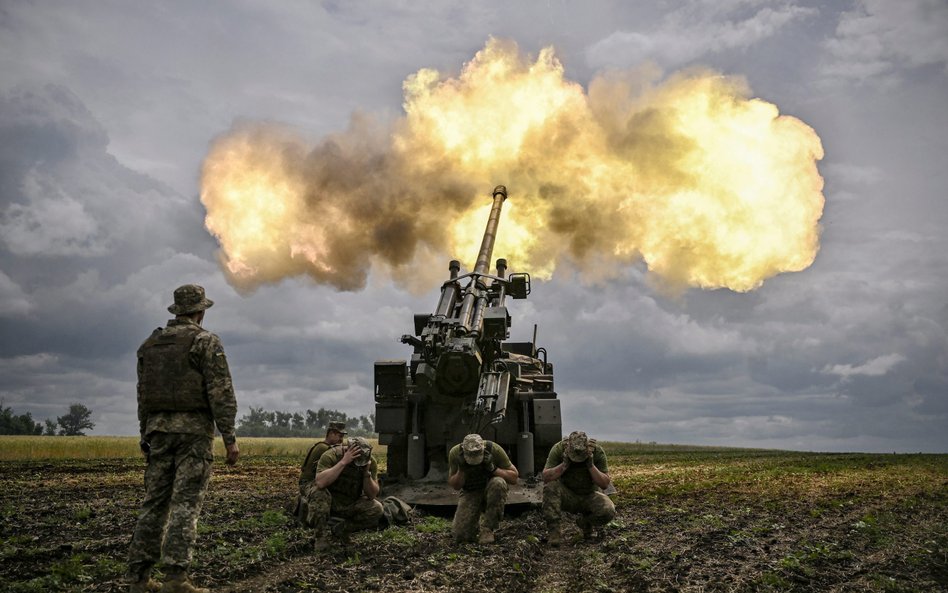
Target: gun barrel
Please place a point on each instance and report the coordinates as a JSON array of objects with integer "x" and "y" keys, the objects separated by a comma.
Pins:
[
  {"x": 490, "y": 233},
  {"x": 472, "y": 303}
]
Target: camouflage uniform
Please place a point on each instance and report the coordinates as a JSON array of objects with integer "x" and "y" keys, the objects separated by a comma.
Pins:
[
  {"x": 575, "y": 491},
  {"x": 308, "y": 470},
  {"x": 481, "y": 492},
  {"x": 180, "y": 440},
  {"x": 343, "y": 498}
]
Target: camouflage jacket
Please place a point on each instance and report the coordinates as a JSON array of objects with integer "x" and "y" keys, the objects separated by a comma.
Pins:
[
  {"x": 476, "y": 478},
  {"x": 347, "y": 488},
  {"x": 206, "y": 356},
  {"x": 576, "y": 477}
]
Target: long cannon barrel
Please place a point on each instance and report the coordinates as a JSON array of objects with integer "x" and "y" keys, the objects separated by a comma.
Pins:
[
  {"x": 470, "y": 308},
  {"x": 490, "y": 234}
]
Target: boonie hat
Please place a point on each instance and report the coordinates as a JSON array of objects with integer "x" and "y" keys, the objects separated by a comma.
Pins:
[
  {"x": 473, "y": 448},
  {"x": 364, "y": 448},
  {"x": 189, "y": 299},
  {"x": 339, "y": 427},
  {"x": 576, "y": 446}
]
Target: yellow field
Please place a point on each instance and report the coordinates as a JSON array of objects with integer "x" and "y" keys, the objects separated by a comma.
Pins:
[{"x": 26, "y": 448}]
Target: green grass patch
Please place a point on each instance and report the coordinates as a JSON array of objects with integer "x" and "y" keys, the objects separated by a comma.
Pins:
[
  {"x": 773, "y": 581},
  {"x": 811, "y": 557},
  {"x": 275, "y": 545},
  {"x": 82, "y": 514},
  {"x": 432, "y": 524},
  {"x": 398, "y": 536},
  {"x": 268, "y": 519}
]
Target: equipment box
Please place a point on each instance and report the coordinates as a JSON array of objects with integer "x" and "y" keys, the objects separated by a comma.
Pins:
[
  {"x": 547, "y": 424},
  {"x": 390, "y": 379},
  {"x": 390, "y": 419}
]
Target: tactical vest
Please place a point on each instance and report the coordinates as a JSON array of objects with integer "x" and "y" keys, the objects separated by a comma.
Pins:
[
  {"x": 308, "y": 474},
  {"x": 577, "y": 478},
  {"x": 169, "y": 383},
  {"x": 348, "y": 486},
  {"x": 476, "y": 476}
]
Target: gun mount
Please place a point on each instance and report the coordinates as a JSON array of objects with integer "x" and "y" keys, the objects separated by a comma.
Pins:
[{"x": 463, "y": 377}]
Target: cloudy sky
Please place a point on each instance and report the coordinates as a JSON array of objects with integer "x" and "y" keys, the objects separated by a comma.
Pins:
[{"x": 108, "y": 109}]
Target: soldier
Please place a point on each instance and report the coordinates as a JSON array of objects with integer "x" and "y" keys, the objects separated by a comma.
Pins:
[
  {"x": 481, "y": 470},
  {"x": 346, "y": 486},
  {"x": 576, "y": 472},
  {"x": 334, "y": 435},
  {"x": 184, "y": 390}
]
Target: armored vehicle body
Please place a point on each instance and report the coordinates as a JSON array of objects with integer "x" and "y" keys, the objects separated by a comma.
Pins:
[{"x": 464, "y": 377}]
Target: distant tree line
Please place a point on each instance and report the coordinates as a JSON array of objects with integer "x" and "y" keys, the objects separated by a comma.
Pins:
[
  {"x": 262, "y": 423},
  {"x": 73, "y": 423}
]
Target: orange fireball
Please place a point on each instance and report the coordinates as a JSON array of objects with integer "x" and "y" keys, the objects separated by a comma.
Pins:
[{"x": 711, "y": 188}]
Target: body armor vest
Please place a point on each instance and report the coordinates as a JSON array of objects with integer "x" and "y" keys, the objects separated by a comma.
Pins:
[
  {"x": 312, "y": 460},
  {"x": 348, "y": 486},
  {"x": 169, "y": 383},
  {"x": 476, "y": 476},
  {"x": 577, "y": 478}
]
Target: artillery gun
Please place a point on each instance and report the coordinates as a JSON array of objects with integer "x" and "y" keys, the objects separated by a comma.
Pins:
[{"x": 463, "y": 378}]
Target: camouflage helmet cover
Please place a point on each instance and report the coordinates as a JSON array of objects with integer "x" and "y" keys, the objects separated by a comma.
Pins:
[
  {"x": 577, "y": 444},
  {"x": 364, "y": 448},
  {"x": 189, "y": 299},
  {"x": 473, "y": 448}
]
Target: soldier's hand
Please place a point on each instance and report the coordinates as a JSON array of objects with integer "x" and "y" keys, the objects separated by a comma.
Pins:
[
  {"x": 589, "y": 461},
  {"x": 233, "y": 452},
  {"x": 566, "y": 463},
  {"x": 350, "y": 455}
]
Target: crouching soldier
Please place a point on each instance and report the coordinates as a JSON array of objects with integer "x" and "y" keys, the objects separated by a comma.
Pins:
[
  {"x": 481, "y": 470},
  {"x": 575, "y": 475},
  {"x": 346, "y": 486},
  {"x": 335, "y": 433}
]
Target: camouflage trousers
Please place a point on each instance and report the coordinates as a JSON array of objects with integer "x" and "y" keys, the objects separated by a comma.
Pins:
[
  {"x": 490, "y": 501},
  {"x": 179, "y": 468},
  {"x": 595, "y": 507},
  {"x": 359, "y": 515}
]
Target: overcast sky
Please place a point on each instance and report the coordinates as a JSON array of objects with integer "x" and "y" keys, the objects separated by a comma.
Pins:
[{"x": 107, "y": 110}]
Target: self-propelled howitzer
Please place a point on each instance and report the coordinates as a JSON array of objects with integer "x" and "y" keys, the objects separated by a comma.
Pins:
[{"x": 463, "y": 378}]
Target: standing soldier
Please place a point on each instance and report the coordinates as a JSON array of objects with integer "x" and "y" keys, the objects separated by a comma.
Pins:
[
  {"x": 334, "y": 436},
  {"x": 346, "y": 487},
  {"x": 184, "y": 390},
  {"x": 481, "y": 470},
  {"x": 575, "y": 475}
]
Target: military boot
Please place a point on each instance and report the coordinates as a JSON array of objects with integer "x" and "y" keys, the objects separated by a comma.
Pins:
[
  {"x": 321, "y": 543},
  {"x": 486, "y": 535},
  {"x": 179, "y": 583},
  {"x": 139, "y": 578},
  {"x": 340, "y": 530},
  {"x": 144, "y": 586},
  {"x": 585, "y": 526},
  {"x": 322, "y": 540}
]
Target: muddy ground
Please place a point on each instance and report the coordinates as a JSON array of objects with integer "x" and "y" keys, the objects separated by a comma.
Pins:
[{"x": 688, "y": 520}]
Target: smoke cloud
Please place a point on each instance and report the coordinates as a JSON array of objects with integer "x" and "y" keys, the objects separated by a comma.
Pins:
[{"x": 709, "y": 187}]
